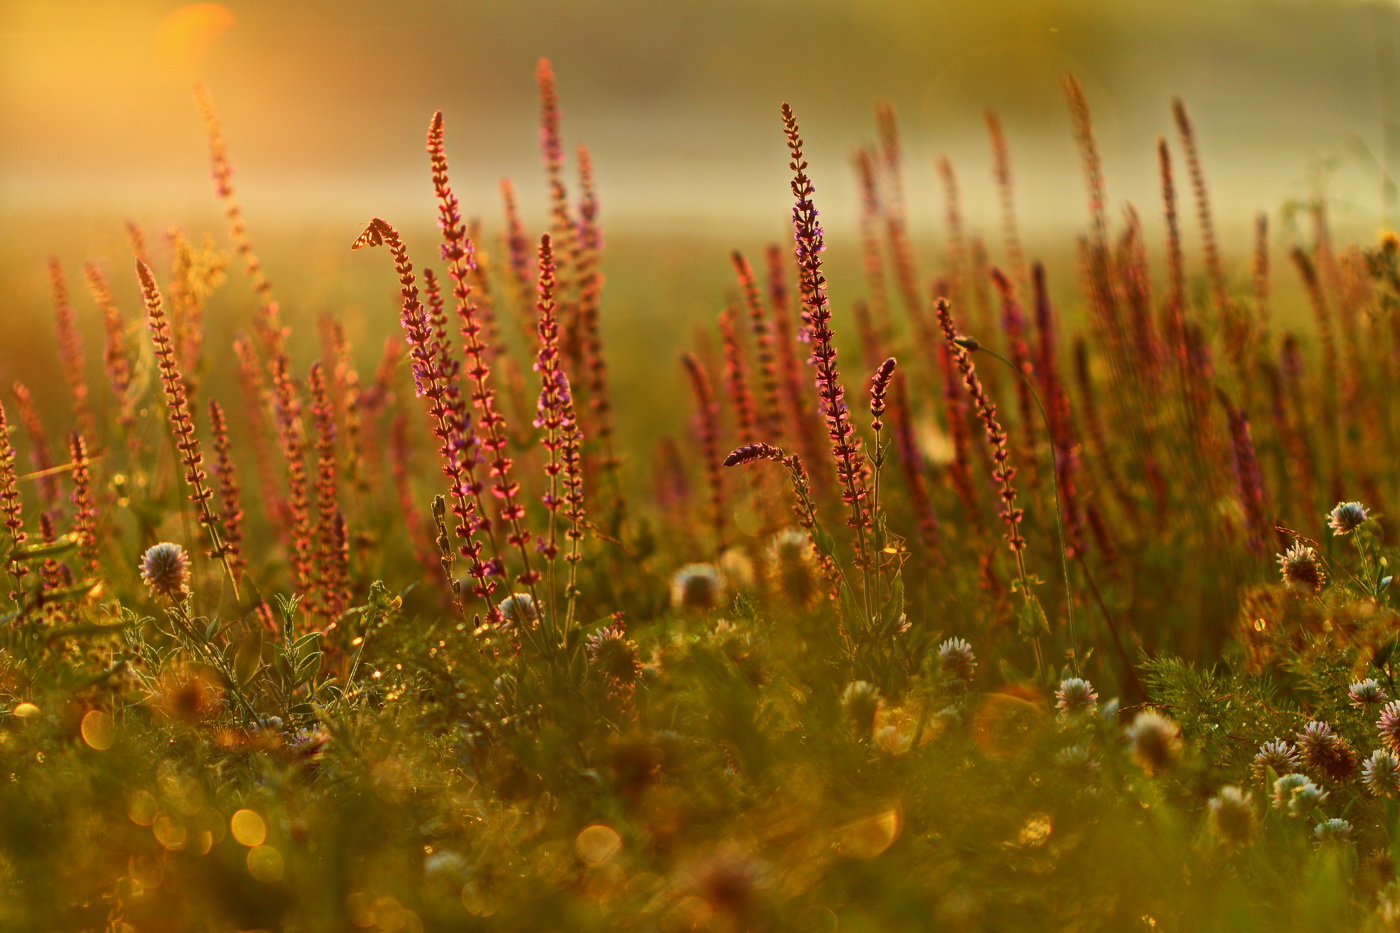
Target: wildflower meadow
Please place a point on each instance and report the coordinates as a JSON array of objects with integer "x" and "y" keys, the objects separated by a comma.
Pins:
[{"x": 1009, "y": 594}]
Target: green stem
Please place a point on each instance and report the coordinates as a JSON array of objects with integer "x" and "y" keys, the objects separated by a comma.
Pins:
[{"x": 1059, "y": 522}]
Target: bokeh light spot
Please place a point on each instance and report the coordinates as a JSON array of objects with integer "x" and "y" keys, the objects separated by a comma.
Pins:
[
  {"x": 357, "y": 908},
  {"x": 1007, "y": 722},
  {"x": 141, "y": 808},
  {"x": 597, "y": 844},
  {"x": 99, "y": 730},
  {"x": 169, "y": 833},
  {"x": 478, "y": 900},
  {"x": 248, "y": 828},
  {"x": 265, "y": 864},
  {"x": 868, "y": 837}
]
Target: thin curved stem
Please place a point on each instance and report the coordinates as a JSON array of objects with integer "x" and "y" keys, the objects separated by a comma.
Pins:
[{"x": 1059, "y": 518}]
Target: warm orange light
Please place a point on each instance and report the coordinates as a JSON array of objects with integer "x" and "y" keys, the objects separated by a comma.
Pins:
[{"x": 186, "y": 35}]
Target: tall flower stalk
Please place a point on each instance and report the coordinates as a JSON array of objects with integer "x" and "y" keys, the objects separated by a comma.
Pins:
[
  {"x": 457, "y": 251},
  {"x": 845, "y": 445},
  {"x": 10, "y": 505},
  {"x": 456, "y": 441},
  {"x": 181, "y": 422}
]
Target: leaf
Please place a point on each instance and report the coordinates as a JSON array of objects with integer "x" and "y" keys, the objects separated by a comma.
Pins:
[
  {"x": 248, "y": 660},
  {"x": 1383, "y": 653},
  {"x": 57, "y": 550},
  {"x": 850, "y": 608},
  {"x": 894, "y": 606},
  {"x": 1031, "y": 619},
  {"x": 578, "y": 667},
  {"x": 72, "y": 594},
  {"x": 306, "y": 645},
  {"x": 822, "y": 540}
]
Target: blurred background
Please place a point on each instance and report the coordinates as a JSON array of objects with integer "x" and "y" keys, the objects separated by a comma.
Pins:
[
  {"x": 325, "y": 103},
  {"x": 325, "y": 106}
]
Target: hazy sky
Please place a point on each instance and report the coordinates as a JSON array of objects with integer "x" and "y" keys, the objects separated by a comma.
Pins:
[{"x": 325, "y": 104}]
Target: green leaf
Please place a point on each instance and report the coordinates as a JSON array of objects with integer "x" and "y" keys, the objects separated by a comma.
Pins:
[
  {"x": 822, "y": 540},
  {"x": 1031, "y": 619},
  {"x": 248, "y": 659},
  {"x": 57, "y": 550},
  {"x": 894, "y": 606},
  {"x": 578, "y": 667},
  {"x": 72, "y": 594},
  {"x": 1383, "y": 653}
]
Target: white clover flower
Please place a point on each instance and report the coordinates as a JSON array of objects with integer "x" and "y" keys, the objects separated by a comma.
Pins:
[
  {"x": 1155, "y": 740},
  {"x": 1366, "y": 693},
  {"x": 1346, "y": 517},
  {"x": 1381, "y": 773},
  {"x": 1276, "y": 754},
  {"x": 957, "y": 659},
  {"x": 1333, "y": 832},
  {"x": 698, "y": 587},
  {"x": 1232, "y": 817},
  {"x": 1075, "y": 696}
]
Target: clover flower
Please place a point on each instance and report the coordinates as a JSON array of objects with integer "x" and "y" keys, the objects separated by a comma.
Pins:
[
  {"x": 1297, "y": 794},
  {"x": 1232, "y": 817},
  {"x": 1285, "y": 787},
  {"x": 1346, "y": 517},
  {"x": 519, "y": 609},
  {"x": 614, "y": 654},
  {"x": 1381, "y": 773},
  {"x": 792, "y": 567},
  {"x": 1365, "y": 693},
  {"x": 861, "y": 701},
  {"x": 165, "y": 568},
  {"x": 1277, "y": 754},
  {"x": 1388, "y": 725},
  {"x": 1301, "y": 570},
  {"x": 1076, "y": 695},
  {"x": 1078, "y": 762},
  {"x": 1155, "y": 741},
  {"x": 956, "y": 656},
  {"x": 697, "y": 587},
  {"x": 1333, "y": 832},
  {"x": 1323, "y": 749}
]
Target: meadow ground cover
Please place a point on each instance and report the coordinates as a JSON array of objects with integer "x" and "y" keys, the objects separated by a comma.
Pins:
[{"x": 945, "y": 607}]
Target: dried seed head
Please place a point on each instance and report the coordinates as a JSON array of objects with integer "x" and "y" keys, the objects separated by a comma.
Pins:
[
  {"x": 1155, "y": 741},
  {"x": 861, "y": 701},
  {"x": 1301, "y": 570},
  {"x": 165, "y": 568},
  {"x": 791, "y": 567},
  {"x": 614, "y": 655},
  {"x": 1232, "y": 817},
  {"x": 697, "y": 587}
]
